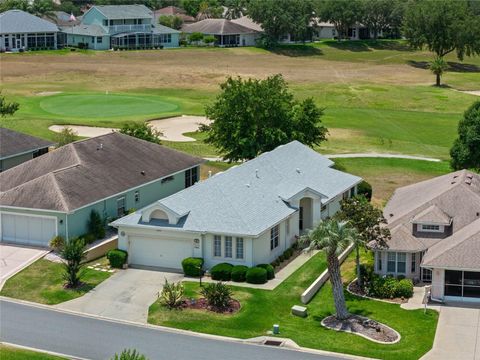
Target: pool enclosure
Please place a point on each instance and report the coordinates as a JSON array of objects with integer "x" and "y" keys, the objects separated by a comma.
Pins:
[{"x": 140, "y": 40}]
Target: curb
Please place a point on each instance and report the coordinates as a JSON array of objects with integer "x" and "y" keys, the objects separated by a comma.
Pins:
[{"x": 41, "y": 351}]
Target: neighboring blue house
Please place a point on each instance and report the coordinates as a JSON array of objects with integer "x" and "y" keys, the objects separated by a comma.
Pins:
[
  {"x": 119, "y": 27},
  {"x": 54, "y": 194}
]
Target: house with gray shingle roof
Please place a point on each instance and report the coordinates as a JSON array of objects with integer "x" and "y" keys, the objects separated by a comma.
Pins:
[
  {"x": 247, "y": 215},
  {"x": 17, "y": 147},
  {"x": 105, "y": 27},
  {"x": 435, "y": 235},
  {"x": 20, "y": 30},
  {"x": 54, "y": 194}
]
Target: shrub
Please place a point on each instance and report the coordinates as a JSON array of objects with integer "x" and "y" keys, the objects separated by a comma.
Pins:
[
  {"x": 89, "y": 238},
  {"x": 57, "y": 243},
  {"x": 218, "y": 295},
  {"x": 172, "y": 294},
  {"x": 239, "y": 273},
  {"x": 96, "y": 225},
  {"x": 117, "y": 258},
  {"x": 128, "y": 354},
  {"x": 192, "y": 266},
  {"x": 270, "y": 270},
  {"x": 222, "y": 272},
  {"x": 256, "y": 275},
  {"x": 209, "y": 39},
  {"x": 404, "y": 288},
  {"x": 366, "y": 273},
  {"x": 73, "y": 254},
  {"x": 364, "y": 188}
]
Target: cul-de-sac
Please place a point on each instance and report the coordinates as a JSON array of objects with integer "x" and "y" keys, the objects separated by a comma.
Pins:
[{"x": 239, "y": 179}]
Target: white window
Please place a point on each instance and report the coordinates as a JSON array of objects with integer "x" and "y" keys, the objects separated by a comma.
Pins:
[
  {"x": 137, "y": 196},
  {"x": 228, "y": 246},
  {"x": 217, "y": 246},
  {"x": 121, "y": 206},
  {"x": 433, "y": 228},
  {"x": 413, "y": 266},
  {"x": 274, "y": 236},
  {"x": 239, "y": 248},
  {"x": 288, "y": 227},
  {"x": 401, "y": 263},
  {"x": 391, "y": 262}
]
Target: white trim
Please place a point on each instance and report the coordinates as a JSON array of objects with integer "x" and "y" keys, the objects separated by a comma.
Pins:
[{"x": 32, "y": 209}]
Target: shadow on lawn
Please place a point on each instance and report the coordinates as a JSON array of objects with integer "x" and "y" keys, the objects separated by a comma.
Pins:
[
  {"x": 368, "y": 45},
  {"x": 452, "y": 66},
  {"x": 296, "y": 50}
]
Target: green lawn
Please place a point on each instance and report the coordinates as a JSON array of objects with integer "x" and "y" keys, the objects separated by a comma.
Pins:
[
  {"x": 12, "y": 353},
  {"x": 42, "y": 282},
  {"x": 261, "y": 309}
]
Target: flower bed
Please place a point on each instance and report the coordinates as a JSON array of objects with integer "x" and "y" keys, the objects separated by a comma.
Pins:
[
  {"x": 201, "y": 304},
  {"x": 362, "y": 326}
]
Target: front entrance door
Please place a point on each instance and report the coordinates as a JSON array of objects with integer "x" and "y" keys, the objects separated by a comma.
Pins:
[{"x": 18, "y": 43}]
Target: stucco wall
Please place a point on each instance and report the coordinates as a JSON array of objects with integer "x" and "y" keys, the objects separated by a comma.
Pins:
[
  {"x": 210, "y": 260},
  {"x": 409, "y": 274},
  {"x": 248, "y": 40},
  {"x": 438, "y": 283},
  {"x": 93, "y": 16}
]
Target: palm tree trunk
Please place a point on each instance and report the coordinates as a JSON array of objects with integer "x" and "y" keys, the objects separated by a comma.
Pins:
[
  {"x": 337, "y": 286},
  {"x": 357, "y": 259},
  {"x": 438, "y": 79}
]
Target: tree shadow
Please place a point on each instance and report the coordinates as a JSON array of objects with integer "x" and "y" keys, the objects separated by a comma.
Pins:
[
  {"x": 296, "y": 50},
  {"x": 369, "y": 45},
  {"x": 452, "y": 66}
]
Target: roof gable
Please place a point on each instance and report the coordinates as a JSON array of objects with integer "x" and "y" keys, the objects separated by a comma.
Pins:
[{"x": 18, "y": 21}]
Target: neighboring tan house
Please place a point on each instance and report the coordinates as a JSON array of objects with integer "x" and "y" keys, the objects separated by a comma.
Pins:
[
  {"x": 173, "y": 11},
  {"x": 105, "y": 27},
  {"x": 435, "y": 228},
  {"x": 246, "y": 215},
  {"x": 16, "y": 148},
  {"x": 227, "y": 33},
  {"x": 54, "y": 194},
  {"x": 20, "y": 30}
]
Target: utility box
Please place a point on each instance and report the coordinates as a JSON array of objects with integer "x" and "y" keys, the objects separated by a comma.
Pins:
[{"x": 300, "y": 311}]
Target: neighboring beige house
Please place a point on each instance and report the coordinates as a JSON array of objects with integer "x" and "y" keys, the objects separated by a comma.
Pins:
[
  {"x": 16, "y": 148},
  {"x": 248, "y": 215},
  {"x": 435, "y": 227},
  {"x": 173, "y": 11},
  {"x": 227, "y": 33}
]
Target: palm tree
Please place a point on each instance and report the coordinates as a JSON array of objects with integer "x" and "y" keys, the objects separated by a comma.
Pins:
[
  {"x": 73, "y": 253},
  {"x": 333, "y": 237},
  {"x": 235, "y": 9},
  {"x": 438, "y": 67}
]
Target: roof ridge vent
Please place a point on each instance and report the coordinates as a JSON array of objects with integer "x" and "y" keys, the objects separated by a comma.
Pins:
[
  {"x": 468, "y": 182},
  {"x": 298, "y": 170}
]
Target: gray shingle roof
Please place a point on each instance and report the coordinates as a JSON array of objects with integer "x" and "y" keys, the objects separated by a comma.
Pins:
[
  {"x": 460, "y": 251},
  {"x": 248, "y": 23},
  {"x": 161, "y": 29},
  {"x": 85, "y": 30},
  {"x": 217, "y": 27},
  {"x": 87, "y": 171},
  {"x": 125, "y": 11},
  {"x": 432, "y": 215},
  {"x": 250, "y": 198},
  {"x": 18, "y": 21},
  {"x": 13, "y": 143}
]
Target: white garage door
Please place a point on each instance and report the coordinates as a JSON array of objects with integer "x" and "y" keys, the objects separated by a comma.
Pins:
[
  {"x": 165, "y": 253},
  {"x": 28, "y": 230}
]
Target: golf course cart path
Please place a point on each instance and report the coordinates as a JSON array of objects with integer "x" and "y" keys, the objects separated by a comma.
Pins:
[
  {"x": 171, "y": 128},
  {"x": 474, "y": 92}
]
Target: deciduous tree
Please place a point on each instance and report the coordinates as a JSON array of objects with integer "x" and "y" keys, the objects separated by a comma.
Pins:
[
  {"x": 253, "y": 116},
  {"x": 7, "y": 108},
  {"x": 142, "y": 131},
  {"x": 465, "y": 152},
  {"x": 343, "y": 14}
]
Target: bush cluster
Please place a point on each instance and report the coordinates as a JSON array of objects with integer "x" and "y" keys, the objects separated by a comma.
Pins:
[
  {"x": 287, "y": 254},
  {"x": 117, "y": 258},
  {"x": 239, "y": 273},
  {"x": 172, "y": 294},
  {"x": 218, "y": 295},
  {"x": 192, "y": 266},
  {"x": 270, "y": 270},
  {"x": 222, "y": 272},
  {"x": 385, "y": 287}
]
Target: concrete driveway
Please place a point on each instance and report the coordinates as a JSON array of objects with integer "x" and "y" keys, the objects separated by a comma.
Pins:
[
  {"x": 14, "y": 258},
  {"x": 458, "y": 334},
  {"x": 126, "y": 295}
]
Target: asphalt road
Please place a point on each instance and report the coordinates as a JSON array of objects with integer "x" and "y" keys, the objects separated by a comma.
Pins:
[{"x": 93, "y": 338}]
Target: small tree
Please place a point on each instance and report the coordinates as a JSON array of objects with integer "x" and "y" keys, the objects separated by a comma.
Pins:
[
  {"x": 73, "y": 253},
  {"x": 465, "y": 152},
  {"x": 7, "y": 108},
  {"x": 129, "y": 354},
  {"x": 210, "y": 39},
  {"x": 66, "y": 136},
  {"x": 333, "y": 237},
  {"x": 96, "y": 225},
  {"x": 172, "y": 294},
  {"x": 253, "y": 116},
  {"x": 438, "y": 67},
  {"x": 174, "y": 22},
  {"x": 369, "y": 223},
  {"x": 218, "y": 295},
  {"x": 343, "y": 14},
  {"x": 195, "y": 38},
  {"x": 142, "y": 131}
]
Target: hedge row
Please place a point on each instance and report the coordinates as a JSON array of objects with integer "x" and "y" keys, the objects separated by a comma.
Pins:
[{"x": 117, "y": 258}]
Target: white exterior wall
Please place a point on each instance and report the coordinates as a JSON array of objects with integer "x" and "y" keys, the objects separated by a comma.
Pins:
[
  {"x": 408, "y": 273},
  {"x": 210, "y": 260},
  {"x": 326, "y": 32},
  {"x": 438, "y": 283},
  {"x": 248, "y": 40}
]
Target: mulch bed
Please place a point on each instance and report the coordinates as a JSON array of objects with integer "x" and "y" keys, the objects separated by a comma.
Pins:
[
  {"x": 357, "y": 290},
  {"x": 360, "y": 325},
  {"x": 201, "y": 304}
]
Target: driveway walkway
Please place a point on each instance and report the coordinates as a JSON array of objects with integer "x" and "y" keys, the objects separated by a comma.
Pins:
[
  {"x": 14, "y": 258},
  {"x": 458, "y": 334},
  {"x": 126, "y": 295}
]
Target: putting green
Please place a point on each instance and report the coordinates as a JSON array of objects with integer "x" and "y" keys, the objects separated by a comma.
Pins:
[{"x": 105, "y": 105}]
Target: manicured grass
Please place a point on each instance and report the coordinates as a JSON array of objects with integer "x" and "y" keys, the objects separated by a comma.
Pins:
[
  {"x": 103, "y": 105},
  {"x": 261, "y": 309},
  {"x": 385, "y": 175},
  {"x": 12, "y": 353},
  {"x": 42, "y": 282}
]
